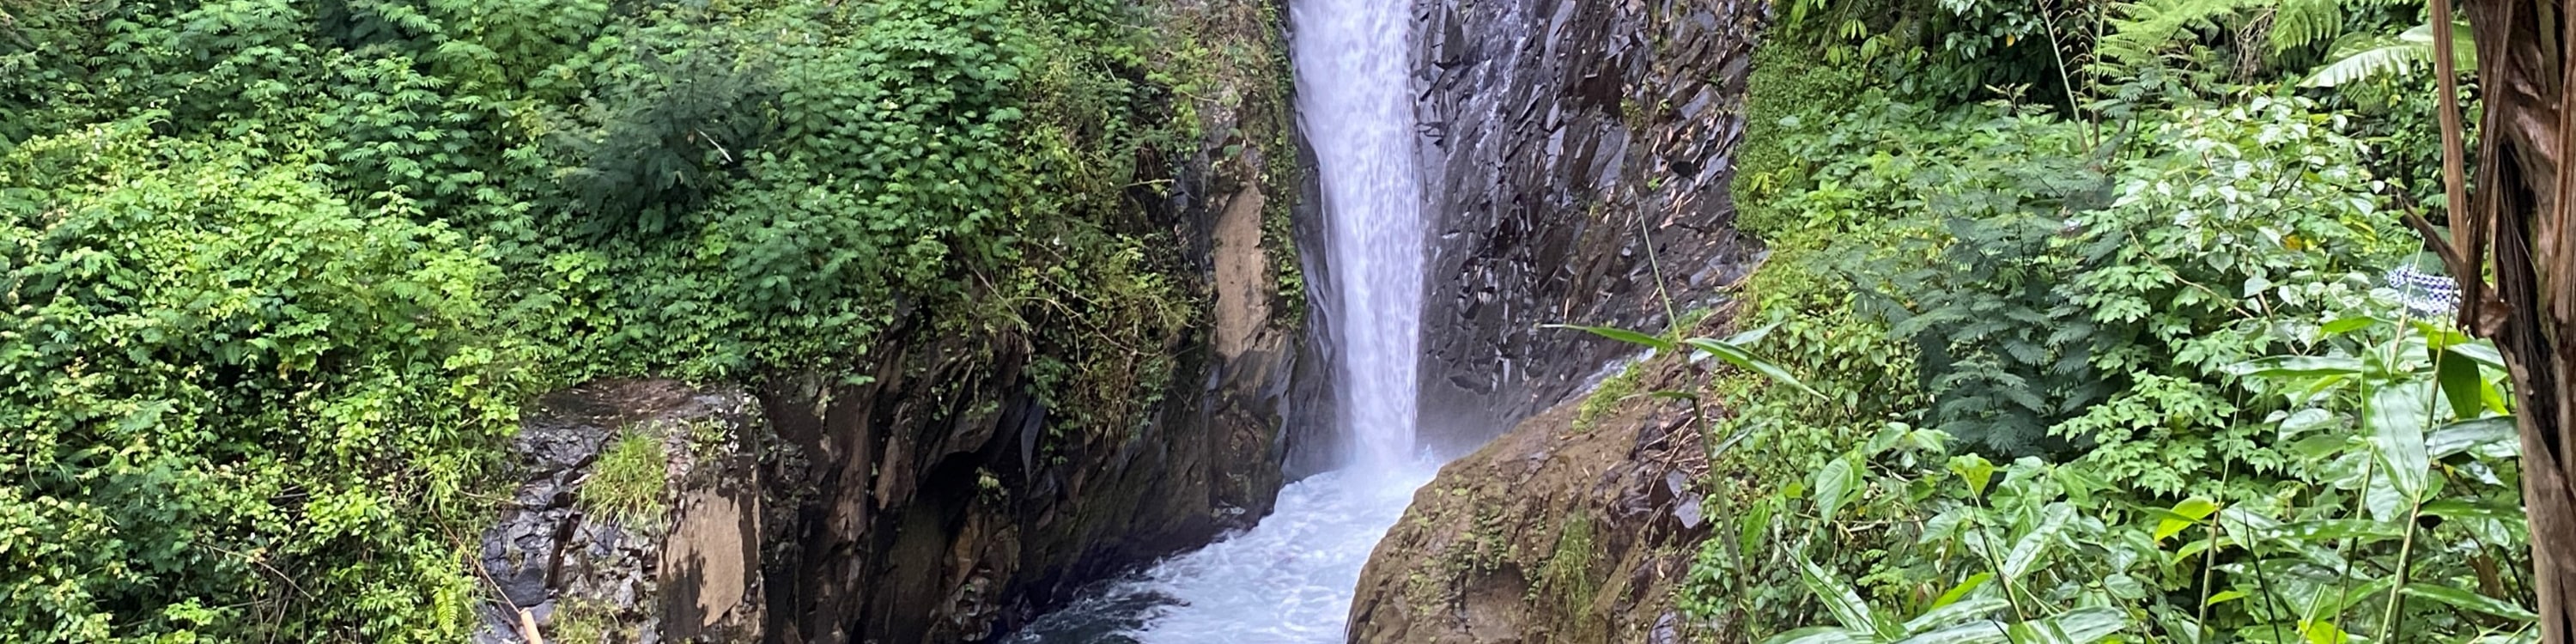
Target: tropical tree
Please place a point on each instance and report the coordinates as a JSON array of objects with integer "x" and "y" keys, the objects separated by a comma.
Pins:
[{"x": 2510, "y": 248}]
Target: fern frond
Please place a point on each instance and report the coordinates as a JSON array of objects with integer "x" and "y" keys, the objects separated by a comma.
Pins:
[
  {"x": 2299, "y": 23},
  {"x": 2148, "y": 28}
]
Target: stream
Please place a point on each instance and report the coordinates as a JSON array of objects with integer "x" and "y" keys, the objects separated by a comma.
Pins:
[
  {"x": 1287, "y": 581},
  {"x": 1290, "y": 579}
]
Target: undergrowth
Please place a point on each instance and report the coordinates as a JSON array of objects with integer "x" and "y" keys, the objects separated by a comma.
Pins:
[
  {"x": 2088, "y": 379},
  {"x": 279, "y": 275}
]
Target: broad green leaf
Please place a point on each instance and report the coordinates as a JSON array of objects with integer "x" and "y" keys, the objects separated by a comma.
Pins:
[
  {"x": 2490, "y": 437},
  {"x": 2079, "y": 626},
  {"x": 2382, "y": 498},
  {"x": 2319, "y": 447},
  {"x": 1622, "y": 335},
  {"x": 2298, "y": 367},
  {"x": 2186, "y": 513},
  {"x": 1841, "y": 600},
  {"x": 2193, "y": 547},
  {"x": 1976, "y": 470},
  {"x": 2516, "y": 636},
  {"x": 1965, "y": 586},
  {"x": 2027, "y": 551},
  {"x": 2471, "y": 601},
  {"x": 1756, "y": 524},
  {"x": 2460, "y": 383},
  {"x": 2467, "y": 509},
  {"x": 2304, "y": 421},
  {"x": 2481, "y": 352},
  {"x": 2323, "y": 531},
  {"x": 2316, "y": 632},
  {"x": 1819, "y": 635},
  {"x": 2167, "y": 528},
  {"x": 2382, "y": 56},
  {"x": 1834, "y": 484},
  {"x": 2348, "y": 325},
  {"x": 1954, "y": 613},
  {"x": 1976, "y": 632},
  {"x": 2195, "y": 508},
  {"x": 2395, "y": 422},
  {"x": 2225, "y": 596},
  {"x": 2125, "y": 587},
  {"x": 1738, "y": 357},
  {"x": 2086, "y": 625},
  {"x": 1747, "y": 338}
]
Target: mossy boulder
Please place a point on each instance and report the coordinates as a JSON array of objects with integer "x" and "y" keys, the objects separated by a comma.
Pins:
[{"x": 1552, "y": 533}]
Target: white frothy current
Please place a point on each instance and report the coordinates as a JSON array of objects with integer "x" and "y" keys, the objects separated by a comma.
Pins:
[{"x": 1288, "y": 580}]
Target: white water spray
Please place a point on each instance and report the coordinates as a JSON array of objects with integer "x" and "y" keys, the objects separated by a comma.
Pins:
[
  {"x": 1356, "y": 105},
  {"x": 1289, "y": 580}
]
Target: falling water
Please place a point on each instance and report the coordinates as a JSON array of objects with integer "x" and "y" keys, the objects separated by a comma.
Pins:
[
  {"x": 1356, "y": 106},
  {"x": 1290, "y": 579}
]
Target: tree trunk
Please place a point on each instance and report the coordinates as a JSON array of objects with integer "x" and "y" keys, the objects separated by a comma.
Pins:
[{"x": 2517, "y": 224}]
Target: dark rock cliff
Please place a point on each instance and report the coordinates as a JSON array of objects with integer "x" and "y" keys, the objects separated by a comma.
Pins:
[
  {"x": 1577, "y": 155},
  {"x": 1559, "y": 136},
  {"x": 930, "y": 492}
]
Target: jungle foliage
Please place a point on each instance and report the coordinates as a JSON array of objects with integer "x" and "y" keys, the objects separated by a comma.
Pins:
[
  {"x": 278, "y": 274},
  {"x": 2104, "y": 357}
]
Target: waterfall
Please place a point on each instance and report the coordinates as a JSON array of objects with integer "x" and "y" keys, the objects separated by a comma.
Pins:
[
  {"x": 1355, "y": 104},
  {"x": 1289, "y": 580}
]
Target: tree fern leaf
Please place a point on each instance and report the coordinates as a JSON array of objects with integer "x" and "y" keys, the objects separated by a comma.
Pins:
[
  {"x": 2145, "y": 29},
  {"x": 2299, "y": 23}
]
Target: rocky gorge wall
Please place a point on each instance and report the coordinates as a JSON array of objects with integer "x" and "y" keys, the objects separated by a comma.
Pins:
[
  {"x": 1576, "y": 156},
  {"x": 932, "y": 492}
]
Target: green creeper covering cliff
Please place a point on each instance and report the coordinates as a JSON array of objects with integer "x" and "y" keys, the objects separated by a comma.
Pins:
[{"x": 278, "y": 275}]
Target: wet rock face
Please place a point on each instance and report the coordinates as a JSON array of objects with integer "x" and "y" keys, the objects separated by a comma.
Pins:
[
  {"x": 936, "y": 499},
  {"x": 1559, "y": 136},
  {"x": 686, "y": 568},
  {"x": 1550, "y": 534},
  {"x": 939, "y": 502}
]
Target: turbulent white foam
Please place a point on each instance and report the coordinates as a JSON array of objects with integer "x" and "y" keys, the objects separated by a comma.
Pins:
[
  {"x": 1288, "y": 580},
  {"x": 1356, "y": 106}
]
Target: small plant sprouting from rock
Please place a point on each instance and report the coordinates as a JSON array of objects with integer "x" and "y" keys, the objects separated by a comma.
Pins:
[
  {"x": 626, "y": 483},
  {"x": 1566, "y": 577},
  {"x": 1603, "y": 399},
  {"x": 585, "y": 621}
]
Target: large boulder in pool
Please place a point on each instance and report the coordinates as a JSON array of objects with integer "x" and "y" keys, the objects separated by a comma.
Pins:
[{"x": 1559, "y": 531}]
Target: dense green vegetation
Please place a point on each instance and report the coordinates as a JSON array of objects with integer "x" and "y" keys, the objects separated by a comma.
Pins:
[
  {"x": 2109, "y": 347},
  {"x": 278, "y": 274}
]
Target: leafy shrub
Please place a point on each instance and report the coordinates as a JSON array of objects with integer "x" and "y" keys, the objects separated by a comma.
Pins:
[
  {"x": 2215, "y": 427},
  {"x": 281, "y": 273},
  {"x": 243, "y": 406}
]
